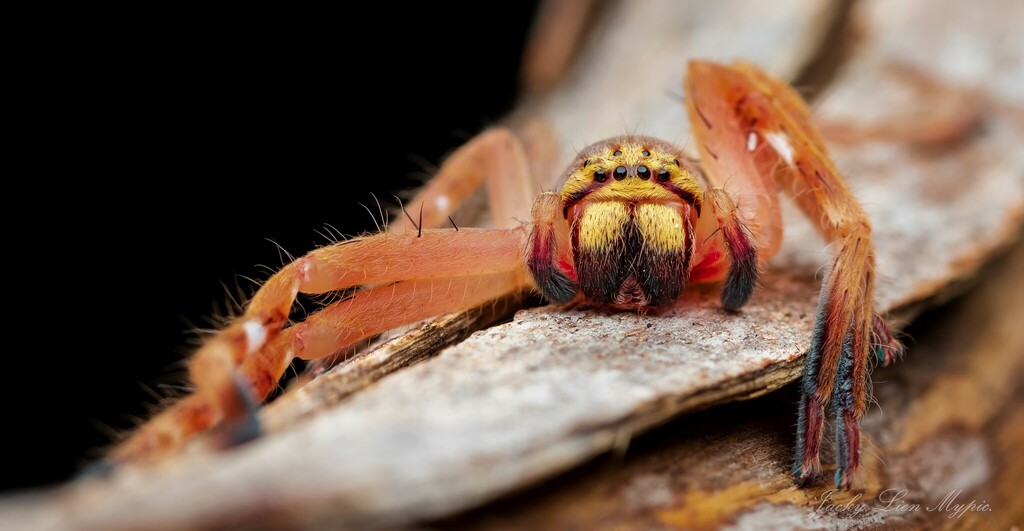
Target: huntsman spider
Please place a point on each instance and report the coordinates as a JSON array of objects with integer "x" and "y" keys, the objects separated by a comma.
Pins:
[{"x": 634, "y": 223}]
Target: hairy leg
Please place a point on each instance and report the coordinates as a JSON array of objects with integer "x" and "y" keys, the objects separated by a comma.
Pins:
[
  {"x": 762, "y": 130},
  {"x": 549, "y": 256},
  {"x": 414, "y": 277},
  {"x": 727, "y": 159},
  {"x": 495, "y": 156},
  {"x": 726, "y": 249}
]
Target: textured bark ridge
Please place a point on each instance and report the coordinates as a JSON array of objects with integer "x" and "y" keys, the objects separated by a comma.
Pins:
[
  {"x": 949, "y": 426},
  {"x": 526, "y": 400}
]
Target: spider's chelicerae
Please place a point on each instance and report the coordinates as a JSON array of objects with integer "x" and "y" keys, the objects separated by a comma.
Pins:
[{"x": 633, "y": 224}]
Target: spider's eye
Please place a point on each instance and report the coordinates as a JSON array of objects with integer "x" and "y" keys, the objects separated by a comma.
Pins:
[
  {"x": 600, "y": 176},
  {"x": 617, "y": 152},
  {"x": 646, "y": 153},
  {"x": 643, "y": 172},
  {"x": 663, "y": 175},
  {"x": 620, "y": 173}
]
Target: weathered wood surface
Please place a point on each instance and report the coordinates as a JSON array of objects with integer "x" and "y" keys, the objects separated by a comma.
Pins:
[
  {"x": 523, "y": 401},
  {"x": 949, "y": 419}
]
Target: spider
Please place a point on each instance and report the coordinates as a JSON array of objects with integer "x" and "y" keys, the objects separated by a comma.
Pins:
[{"x": 635, "y": 221}]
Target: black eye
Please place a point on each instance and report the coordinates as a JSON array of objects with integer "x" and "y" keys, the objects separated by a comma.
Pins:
[
  {"x": 643, "y": 172},
  {"x": 663, "y": 175},
  {"x": 646, "y": 153},
  {"x": 600, "y": 176},
  {"x": 620, "y": 173},
  {"x": 617, "y": 152},
  {"x": 676, "y": 161}
]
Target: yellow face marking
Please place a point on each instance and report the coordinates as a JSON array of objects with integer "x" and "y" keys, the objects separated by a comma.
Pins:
[
  {"x": 602, "y": 224},
  {"x": 664, "y": 178},
  {"x": 661, "y": 227}
]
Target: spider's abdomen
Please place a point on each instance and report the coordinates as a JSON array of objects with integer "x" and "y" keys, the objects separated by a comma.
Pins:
[{"x": 632, "y": 255}]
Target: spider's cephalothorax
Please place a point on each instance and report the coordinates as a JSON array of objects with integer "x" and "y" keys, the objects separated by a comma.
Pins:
[
  {"x": 632, "y": 225},
  {"x": 632, "y": 206}
]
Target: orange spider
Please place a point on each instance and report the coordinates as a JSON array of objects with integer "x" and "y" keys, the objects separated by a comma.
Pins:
[{"x": 634, "y": 222}]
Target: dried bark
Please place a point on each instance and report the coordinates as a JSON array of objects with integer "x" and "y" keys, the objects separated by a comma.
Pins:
[
  {"x": 949, "y": 418},
  {"x": 525, "y": 400}
]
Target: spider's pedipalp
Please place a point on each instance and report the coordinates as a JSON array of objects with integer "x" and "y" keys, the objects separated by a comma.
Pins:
[
  {"x": 549, "y": 256},
  {"x": 731, "y": 236}
]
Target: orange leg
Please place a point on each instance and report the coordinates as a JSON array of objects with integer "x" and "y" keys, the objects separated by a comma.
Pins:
[
  {"x": 759, "y": 130},
  {"x": 243, "y": 362},
  {"x": 557, "y": 33},
  {"x": 496, "y": 157},
  {"x": 404, "y": 277}
]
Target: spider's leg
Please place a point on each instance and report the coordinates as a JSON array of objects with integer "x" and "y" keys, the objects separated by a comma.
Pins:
[
  {"x": 240, "y": 413},
  {"x": 495, "y": 156},
  {"x": 755, "y": 130},
  {"x": 558, "y": 31},
  {"x": 415, "y": 276},
  {"x": 726, "y": 248}
]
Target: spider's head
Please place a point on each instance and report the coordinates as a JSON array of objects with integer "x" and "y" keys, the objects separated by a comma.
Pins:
[
  {"x": 631, "y": 202},
  {"x": 631, "y": 169}
]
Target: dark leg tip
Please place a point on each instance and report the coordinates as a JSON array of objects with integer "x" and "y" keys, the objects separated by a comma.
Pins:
[
  {"x": 740, "y": 283},
  {"x": 804, "y": 472},
  {"x": 888, "y": 349},
  {"x": 243, "y": 422},
  {"x": 243, "y": 430},
  {"x": 842, "y": 479},
  {"x": 556, "y": 287}
]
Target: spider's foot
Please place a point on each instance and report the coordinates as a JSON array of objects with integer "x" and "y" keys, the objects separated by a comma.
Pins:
[
  {"x": 886, "y": 347},
  {"x": 806, "y": 463},
  {"x": 834, "y": 377},
  {"x": 241, "y": 412}
]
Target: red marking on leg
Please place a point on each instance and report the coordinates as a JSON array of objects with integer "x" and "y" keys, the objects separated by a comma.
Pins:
[
  {"x": 852, "y": 428},
  {"x": 812, "y": 437},
  {"x": 890, "y": 346},
  {"x": 548, "y": 274},
  {"x": 837, "y": 323},
  {"x": 540, "y": 251}
]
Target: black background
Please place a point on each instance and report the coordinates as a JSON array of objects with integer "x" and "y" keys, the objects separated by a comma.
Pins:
[{"x": 174, "y": 147}]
